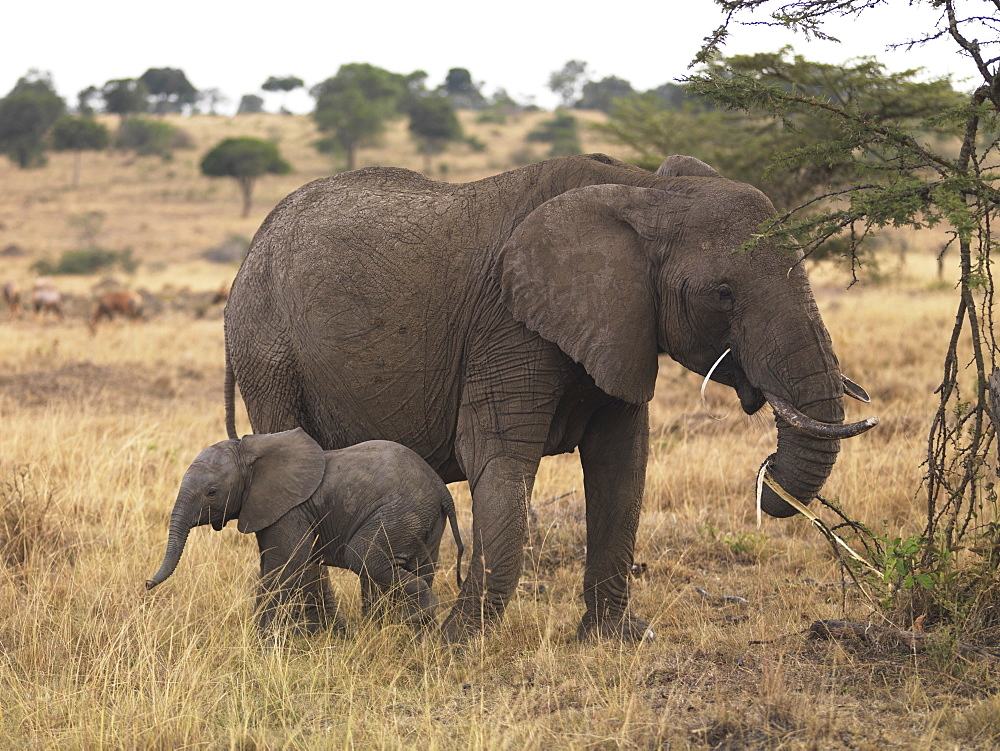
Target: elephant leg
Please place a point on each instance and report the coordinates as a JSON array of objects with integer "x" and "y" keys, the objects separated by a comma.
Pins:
[
  {"x": 373, "y": 598},
  {"x": 384, "y": 579},
  {"x": 613, "y": 453},
  {"x": 430, "y": 550},
  {"x": 499, "y": 444},
  {"x": 293, "y": 583}
]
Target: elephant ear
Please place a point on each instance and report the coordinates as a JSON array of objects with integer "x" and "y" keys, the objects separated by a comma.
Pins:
[
  {"x": 285, "y": 470},
  {"x": 576, "y": 271},
  {"x": 678, "y": 165}
]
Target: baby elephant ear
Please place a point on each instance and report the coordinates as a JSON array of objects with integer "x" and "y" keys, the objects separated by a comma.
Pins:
[
  {"x": 577, "y": 272},
  {"x": 285, "y": 470},
  {"x": 678, "y": 165}
]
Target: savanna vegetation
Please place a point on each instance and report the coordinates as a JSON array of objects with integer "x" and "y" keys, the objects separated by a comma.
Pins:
[{"x": 98, "y": 429}]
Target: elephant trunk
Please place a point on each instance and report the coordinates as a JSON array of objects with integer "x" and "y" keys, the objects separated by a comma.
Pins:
[
  {"x": 181, "y": 521},
  {"x": 800, "y": 466},
  {"x": 806, "y": 392}
]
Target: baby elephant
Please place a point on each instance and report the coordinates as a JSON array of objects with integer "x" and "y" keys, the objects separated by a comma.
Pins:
[{"x": 375, "y": 508}]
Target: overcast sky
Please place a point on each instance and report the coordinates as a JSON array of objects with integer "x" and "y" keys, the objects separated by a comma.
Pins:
[{"x": 513, "y": 44}]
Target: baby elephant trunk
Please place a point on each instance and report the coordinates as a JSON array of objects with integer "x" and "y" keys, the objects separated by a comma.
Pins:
[{"x": 180, "y": 526}]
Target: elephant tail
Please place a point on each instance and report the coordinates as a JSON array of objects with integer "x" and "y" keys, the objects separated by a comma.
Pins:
[
  {"x": 230, "y": 396},
  {"x": 449, "y": 509}
]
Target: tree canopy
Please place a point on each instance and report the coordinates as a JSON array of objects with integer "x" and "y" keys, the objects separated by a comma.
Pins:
[
  {"x": 78, "y": 134},
  {"x": 354, "y": 106},
  {"x": 169, "y": 89},
  {"x": 26, "y": 114},
  {"x": 124, "y": 97},
  {"x": 567, "y": 81},
  {"x": 753, "y": 144},
  {"x": 601, "y": 95},
  {"x": 244, "y": 160},
  {"x": 434, "y": 124},
  {"x": 462, "y": 90}
]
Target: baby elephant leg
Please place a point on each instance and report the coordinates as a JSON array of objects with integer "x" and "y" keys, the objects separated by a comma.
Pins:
[
  {"x": 293, "y": 584},
  {"x": 384, "y": 580}
]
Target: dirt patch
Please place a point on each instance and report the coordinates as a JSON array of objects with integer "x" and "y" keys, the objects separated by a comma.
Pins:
[{"x": 118, "y": 386}]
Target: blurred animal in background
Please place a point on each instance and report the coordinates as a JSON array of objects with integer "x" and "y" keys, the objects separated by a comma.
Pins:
[
  {"x": 110, "y": 304},
  {"x": 221, "y": 295},
  {"x": 46, "y": 298},
  {"x": 375, "y": 508},
  {"x": 12, "y": 297}
]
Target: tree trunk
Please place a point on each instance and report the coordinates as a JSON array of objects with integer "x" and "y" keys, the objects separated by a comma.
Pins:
[{"x": 246, "y": 188}]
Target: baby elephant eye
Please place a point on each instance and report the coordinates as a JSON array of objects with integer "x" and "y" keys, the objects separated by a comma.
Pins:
[{"x": 725, "y": 292}]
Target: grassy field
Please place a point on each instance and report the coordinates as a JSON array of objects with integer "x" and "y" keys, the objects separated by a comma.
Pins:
[{"x": 98, "y": 430}]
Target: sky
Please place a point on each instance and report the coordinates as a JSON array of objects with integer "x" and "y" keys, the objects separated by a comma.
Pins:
[{"x": 510, "y": 44}]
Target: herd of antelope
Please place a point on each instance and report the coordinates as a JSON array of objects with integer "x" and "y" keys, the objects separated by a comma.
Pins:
[{"x": 46, "y": 300}]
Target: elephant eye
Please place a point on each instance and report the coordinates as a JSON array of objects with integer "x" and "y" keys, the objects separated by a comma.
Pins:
[
  {"x": 725, "y": 293},
  {"x": 211, "y": 492}
]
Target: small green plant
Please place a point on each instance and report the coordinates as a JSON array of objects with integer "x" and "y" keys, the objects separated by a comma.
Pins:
[{"x": 88, "y": 261}]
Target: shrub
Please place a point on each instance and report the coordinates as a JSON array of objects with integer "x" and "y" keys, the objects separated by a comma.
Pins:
[
  {"x": 149, "y": 137},
  {"x": 88, "y": 261}
]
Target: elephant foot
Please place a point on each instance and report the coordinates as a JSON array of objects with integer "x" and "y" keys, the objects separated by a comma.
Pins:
[
  {"x": 625, "y": 629},
  {"x": 459, "y": 629}
]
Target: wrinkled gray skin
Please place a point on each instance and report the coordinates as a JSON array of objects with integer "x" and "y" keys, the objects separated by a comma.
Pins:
[
  {"x": 375, "y": 508},
  {"x": 487, "y": 324}
]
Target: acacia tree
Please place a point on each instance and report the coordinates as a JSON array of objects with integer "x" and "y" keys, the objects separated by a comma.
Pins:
[
  {"x": 746, "y": 144},
  {"x": 169, "y": 89},
  {"x": 284, "y": 84},
  {"x": 244, "y": 160},
  {"x": 354, "y": 106},
  {"x": 433, "y": 123},
  {"x": 79, "y": 134},
  {"x": 26, "y": 114},
  {"x": 900, "y": 179},
  {"x": 566, "y": 81}
]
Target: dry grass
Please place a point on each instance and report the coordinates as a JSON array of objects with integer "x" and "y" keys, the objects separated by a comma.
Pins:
[{"x": 97, "y": 431}]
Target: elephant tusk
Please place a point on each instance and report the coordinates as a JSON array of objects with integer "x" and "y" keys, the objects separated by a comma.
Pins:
[
  {"x": 854, "y": 390},
  {"x": 761, "y": 473},
  {"x": 704, "y": 385},
  {"x": 764, "y": 477},
  {"x": 815, "y": 428}
]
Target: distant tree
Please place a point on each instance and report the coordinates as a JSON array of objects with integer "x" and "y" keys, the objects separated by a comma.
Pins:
[
  {"x": 250, "y": 104},
  {"x": 283, "y": 84},
  {"x": 244, "y": 160},
  {"x": 169, "y": 89},
  {"x": 79, "y": 134},
  {"x": 212, "y": 99},
  {"x": 601, "y": 95},
  {"x": 26, "y": 114},
  {"x": 124, "y": 97},
  {"x": 85, "y": 100},
  {"x": 562, "y": 131},
  {"x": 675, "y": 96},
  {"x": 433, "y": 123},
  {"x": 462, "y": 91},
  {"x": 746, "y": 145},
  {"x": 567, "y": 81},
  {"x": 354, "y": 106}
]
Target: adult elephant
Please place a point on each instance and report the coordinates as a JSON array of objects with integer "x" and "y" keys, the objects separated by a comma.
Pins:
[{"x": 488, "y": 324}]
